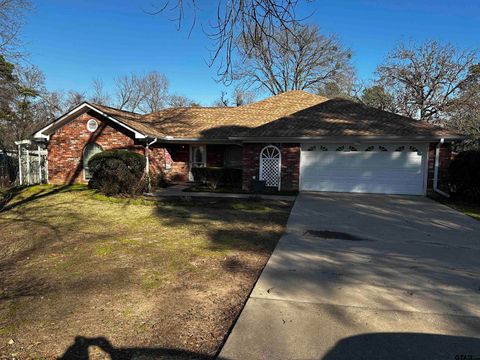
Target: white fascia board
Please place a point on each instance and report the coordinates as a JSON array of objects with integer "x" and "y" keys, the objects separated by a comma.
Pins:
[
  {"x": 335, "y": 139},
  {"x": 172, "y": 139},
  {"x": 138, "y": 135},
  {"x": 40, "y": 135},
  {"x": 23, "y": 142}
]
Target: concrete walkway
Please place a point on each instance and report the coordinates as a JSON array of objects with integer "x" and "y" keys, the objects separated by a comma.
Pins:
[
  {"x": 178, "y": 191},
  {"x": 408, "y": 287}
]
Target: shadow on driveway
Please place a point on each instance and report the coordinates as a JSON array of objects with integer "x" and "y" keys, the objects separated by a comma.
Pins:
[{"x": 402, "y": 346}]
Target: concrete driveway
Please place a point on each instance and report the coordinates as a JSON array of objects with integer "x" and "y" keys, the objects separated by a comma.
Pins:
[{"x": 407, "y": 286}]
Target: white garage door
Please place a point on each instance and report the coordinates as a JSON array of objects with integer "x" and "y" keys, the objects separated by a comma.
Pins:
[{"x": 367, "y": 168}]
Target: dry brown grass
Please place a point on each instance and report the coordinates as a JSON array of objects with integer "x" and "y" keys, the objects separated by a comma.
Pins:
[{"x": 128, "y": 276}]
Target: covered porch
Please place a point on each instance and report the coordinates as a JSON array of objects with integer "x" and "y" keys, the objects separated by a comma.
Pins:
[{"x": 179, "y": 162}]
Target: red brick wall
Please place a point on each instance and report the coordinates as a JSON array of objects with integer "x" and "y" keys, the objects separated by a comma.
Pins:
[
  {"x": 65, "y": 155},
  {"x": 156, "y": 159},
  {"x": 65, "y": 149},
  {"x": 444, "y": 163},
  {"x": 180, "y": 154},
  {"x": 290, "y": 165}
]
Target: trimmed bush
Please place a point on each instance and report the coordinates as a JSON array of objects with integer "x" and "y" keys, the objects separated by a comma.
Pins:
[
  {"x": 214, "y": 176},
  {"x": 117, "y": 172},
  {"x": 465, "y": 174}
]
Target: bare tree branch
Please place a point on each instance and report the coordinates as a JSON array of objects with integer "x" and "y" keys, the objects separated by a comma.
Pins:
[
  {"x": 425, "y": 79},
  {"x": 252, "y": 21},
  {"x": 154, "y": 90},
  {"x": 298, "y": 59},
  {"x": 100, "y": 95},
  {"x": 12, "y": 14}
]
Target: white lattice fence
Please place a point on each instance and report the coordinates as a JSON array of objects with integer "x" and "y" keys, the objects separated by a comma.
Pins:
[
  {"x": 270, "y": 160},
  {"x": 32, "y": 165}
]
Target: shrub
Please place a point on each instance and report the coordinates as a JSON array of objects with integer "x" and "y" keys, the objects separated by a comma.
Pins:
[
  {"x": 159, "y": 180},
  {"x": 214, "y": 176},
  {"x": 117, "y": 172},
  {"x": 465, "y": 174}
]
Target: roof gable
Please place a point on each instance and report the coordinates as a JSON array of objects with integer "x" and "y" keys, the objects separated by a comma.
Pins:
[{"x": 50, "y": 128}]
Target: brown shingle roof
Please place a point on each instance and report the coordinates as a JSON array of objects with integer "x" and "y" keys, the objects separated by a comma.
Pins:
[
  {"x": 223, "y": 122},
  {"x": 133, "y": 120},
  {"x": 341, "y": 117},
  {"x": 291, "y": 114}
]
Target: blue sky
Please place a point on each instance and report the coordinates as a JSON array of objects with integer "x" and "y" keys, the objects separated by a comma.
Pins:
[{"x": 75, "y": 41}]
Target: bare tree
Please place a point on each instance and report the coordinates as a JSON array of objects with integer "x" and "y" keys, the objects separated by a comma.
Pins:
[
  {"x": 52, "y": 104},
  {"x": 130, "y": 92},
  {"x": 74, "y": 98},
  {"x": 425, "y": 79},
  {"x": 222, "y": 100},
  {"x": 142, "y": 93},
  {"x": 155, "y": 91},
  {"x": 247, "y": 21},
  {"x": 11, "y": 20},
  {"x": 242, "y": 97},
  {"x": 299, "y": 59},
  {"x": 100, "y": 95},
  {"x": 176, "y": 100},
  {"x": 465, "y": 117}
]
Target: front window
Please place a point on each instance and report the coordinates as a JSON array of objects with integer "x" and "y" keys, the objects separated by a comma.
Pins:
[
  {"x": 233, "y": 157},
  {"x": 88, "y": 152}
]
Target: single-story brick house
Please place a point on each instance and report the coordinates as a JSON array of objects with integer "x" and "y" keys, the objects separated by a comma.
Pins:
[{"x": 293, "y": 141}]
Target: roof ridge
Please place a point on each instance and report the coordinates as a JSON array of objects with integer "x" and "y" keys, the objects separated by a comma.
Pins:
[
  {"x": 192, "y": 107},
  {"x": 286, "y": 94},
  {"x": 113, "y": 108}
]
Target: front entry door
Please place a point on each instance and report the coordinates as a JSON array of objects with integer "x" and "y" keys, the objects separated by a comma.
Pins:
[{"x": 198, "y": 158}]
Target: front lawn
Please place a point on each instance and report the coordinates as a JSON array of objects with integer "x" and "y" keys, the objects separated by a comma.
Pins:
[{"x": 84, "y": 274}]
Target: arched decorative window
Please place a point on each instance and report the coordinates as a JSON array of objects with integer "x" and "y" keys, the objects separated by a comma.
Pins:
[
  {"x": 323, "y": 148},
  {"x": 382, "y": 148},
  {"x": 370, "y": 148},
  {"x": 413, "y": 148},
  {"x": 89, "y": 150},
  {"x": 270, "y": 165},
  {"x": 400, "y": 148},
  {"x": 352, "y": 148},
  {"x": 340, "y": 148}
]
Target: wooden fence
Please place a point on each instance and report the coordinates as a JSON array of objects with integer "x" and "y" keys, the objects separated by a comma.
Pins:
[{"x": 25, "y": 166}]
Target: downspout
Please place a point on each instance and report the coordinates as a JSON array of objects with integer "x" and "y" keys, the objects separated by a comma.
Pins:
[
  {"x": 39, "y": 165},
  {"x": 20, "y": 175},
  {"x": 436, "y": 168},
  {"x": 147, "y": 164}
]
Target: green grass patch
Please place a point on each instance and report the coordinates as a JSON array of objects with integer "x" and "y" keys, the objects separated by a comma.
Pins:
[
  {"x": 78, "y": 260},
  {"x": 464, "y": 206}
]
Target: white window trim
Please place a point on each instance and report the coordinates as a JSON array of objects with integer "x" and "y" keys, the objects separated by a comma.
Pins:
[
  {"x": 83, "y": 159},
  {"x": 190, "y": 158},
  {"x": 92, "y": 121}
]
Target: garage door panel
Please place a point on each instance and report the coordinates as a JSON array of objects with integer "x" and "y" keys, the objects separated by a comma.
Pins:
[
  {"x": 352, "y": 159},
  {"x": 390, "y": 172},
  {"x": 356, "y": 187}
]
